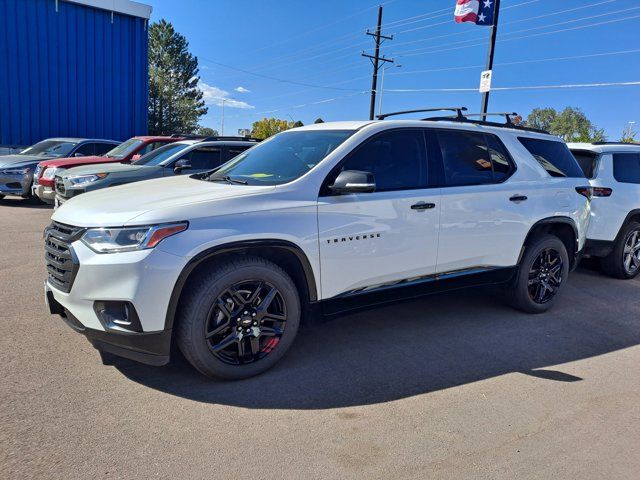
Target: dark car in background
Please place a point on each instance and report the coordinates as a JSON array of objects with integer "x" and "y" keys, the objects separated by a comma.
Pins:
[
  {"x": 126, "y": 152},
  {"x": 17, "y": 170}
]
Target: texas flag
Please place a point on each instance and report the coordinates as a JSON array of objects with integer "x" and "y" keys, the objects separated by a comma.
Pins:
[{"x": 478, "y": 12}]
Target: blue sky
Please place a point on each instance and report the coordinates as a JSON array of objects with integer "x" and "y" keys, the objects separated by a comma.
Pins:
[{"x": 318, "y": 44}]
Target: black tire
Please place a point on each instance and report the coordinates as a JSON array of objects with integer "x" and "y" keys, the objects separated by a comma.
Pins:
[
  {"x": 200, "y": 312},
  {"x": 536, "y": 275},
  {"x": 1, "y": 197},
  {"x": 614, "y": 264}
]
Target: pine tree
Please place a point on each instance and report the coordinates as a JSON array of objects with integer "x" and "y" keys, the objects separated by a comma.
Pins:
[{"x": 175, "y": 101}]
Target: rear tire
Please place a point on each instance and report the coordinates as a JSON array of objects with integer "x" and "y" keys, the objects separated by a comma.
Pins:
[
  {"x": 542, "y": 274},
  {"x": 624, "y": 260},
  {"x": 238, "y": 319}
]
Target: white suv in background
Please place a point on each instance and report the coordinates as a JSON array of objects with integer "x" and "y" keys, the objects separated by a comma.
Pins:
[
  {"x": 614, "y": 230},
  {"x": 324, "y": 218}
]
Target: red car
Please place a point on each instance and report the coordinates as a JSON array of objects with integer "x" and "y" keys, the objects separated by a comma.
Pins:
[{"x": 126, "y": 152}]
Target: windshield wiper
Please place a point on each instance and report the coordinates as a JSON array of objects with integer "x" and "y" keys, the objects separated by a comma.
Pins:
[{"x": 228, "y": 179}]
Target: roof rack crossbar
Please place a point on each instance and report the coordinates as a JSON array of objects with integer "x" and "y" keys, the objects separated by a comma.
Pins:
[
  {"x": 458, "y": 111},
  {"x": 507, "y": 115}
]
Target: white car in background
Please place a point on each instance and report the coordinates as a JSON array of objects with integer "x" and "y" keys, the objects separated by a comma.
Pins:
[
  {"x": 614, "y": 231},
  {"x": 325, "y": 218}
]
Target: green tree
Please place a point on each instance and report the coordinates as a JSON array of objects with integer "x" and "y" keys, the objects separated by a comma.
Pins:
[
  {"x": 269, "y": 126},
  {"x": 208, "y": 131},
  {"x": 571, "y": 124},
  {"x": 629, "y": 134},
  {"x": 541, "y": 118},
  {"x": 175, "y": 101}
]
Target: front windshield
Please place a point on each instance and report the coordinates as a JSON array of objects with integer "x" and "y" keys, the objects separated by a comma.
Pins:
[
  {"x": 50, "y": 148},
  {"x": 124, "y": 148},
  {"x": 159, "y": 155},
  {"x": 282, "y": 158}
]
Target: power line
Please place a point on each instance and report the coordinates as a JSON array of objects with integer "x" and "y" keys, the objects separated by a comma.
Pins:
[{"x": 529, "y": 87}]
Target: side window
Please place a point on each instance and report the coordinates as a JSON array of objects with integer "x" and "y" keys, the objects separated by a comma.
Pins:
[
  {"x": 587, "y": 161},
  {"x": 84, "y": 150},
  {"x": 205, "y": 158},
  {"x": 396, "y": 158},
  {"x": 465, "y": 157},
  {"x": 149, "y": 147},
  {"x": 102, "y": 148},
  {"x": 553, "y": 156},
  {"x": 235, "y": 151},
  {"x": 502, "y": 167},
  {"x": 626, "y": 167}
]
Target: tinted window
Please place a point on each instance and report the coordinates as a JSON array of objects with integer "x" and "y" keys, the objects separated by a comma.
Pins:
[
  {"x": 397, "y": 160},
  {"x": 587, "y": 162},
  {"x": 54, "y": 148},
  {"x": 502, "y": 167},
  {"x": 626, "y": 167},
  {"x": 465, "y": 157},
  {"x": 235, "y": 151},
  {"x": 86, "y": 149},
  {"x": 102, "y": 148},
  {"x": 554, "y": 157},
  {"x": 124, "y": 148},
  {"x": 283, "y": 157},
  {"x": 204, "y": 158},
  {"x": 160, "y": 154}
]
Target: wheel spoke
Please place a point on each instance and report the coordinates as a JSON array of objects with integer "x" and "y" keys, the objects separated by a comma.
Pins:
[
  {"x": 225, "y": 342},
  {"x": 274, "y": 317},
  {"x": 268, "y": 298},
  {"x": 218, "y": 329},
  {"x": 255, "y": 346},
  {"x": 242, "y": 352},
  {"x": 254, "y": 295},
  {"x": 237, "y": 298},
  {"x": 271, "y": 331}
]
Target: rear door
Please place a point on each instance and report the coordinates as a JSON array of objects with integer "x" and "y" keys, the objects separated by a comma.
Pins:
[
  {"x": 370, "y": 240},
  {"x": 484, "y": 216}
]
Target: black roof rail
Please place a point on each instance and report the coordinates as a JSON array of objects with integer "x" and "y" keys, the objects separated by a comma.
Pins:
[
  {"x": 507, "y": 116},
  {"x": 458, "y": 111},
  {"x": 507, "y": 124},
  {"x": 186, "y": 136},
  {"x": 613, "y": 143},
  {"x": 237, "y": 139}
]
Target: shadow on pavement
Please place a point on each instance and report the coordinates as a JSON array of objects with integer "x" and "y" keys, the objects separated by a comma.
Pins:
[
  {"x": 18, "y": 202},
  {"x": 423, "y": 346}
]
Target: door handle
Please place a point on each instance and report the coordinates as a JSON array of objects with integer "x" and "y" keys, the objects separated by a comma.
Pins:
[
  {"x": 423, "y": 206},
  {"x": 518, "y": 198}
]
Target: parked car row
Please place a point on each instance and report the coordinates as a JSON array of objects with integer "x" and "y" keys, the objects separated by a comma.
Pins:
[{"x": 56, "y": 169}]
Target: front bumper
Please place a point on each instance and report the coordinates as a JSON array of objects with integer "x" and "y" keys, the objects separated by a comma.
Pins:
[
  {"x": 153, "y": 348},
  {"x": 144, "y": 279},
  {"x": 44, "y": 193},
  {"x": 15, "y": 184}
]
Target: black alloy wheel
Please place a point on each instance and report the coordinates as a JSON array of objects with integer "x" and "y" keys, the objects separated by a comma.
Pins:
[
  {"x": 246, "y": 322},
  {"x": 545, "y": 276}
]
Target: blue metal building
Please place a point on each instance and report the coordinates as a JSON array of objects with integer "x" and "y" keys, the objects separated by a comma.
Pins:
[{"x": 72, "y": 68}]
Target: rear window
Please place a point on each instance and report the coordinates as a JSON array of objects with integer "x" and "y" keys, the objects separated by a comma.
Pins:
[
  {"x": 554, "y": 157},
  {"x": 587, "y": 161},
  {"x": 626, "y": 167}
]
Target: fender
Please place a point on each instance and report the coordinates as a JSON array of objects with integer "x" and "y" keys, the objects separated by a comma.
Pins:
[
  {"x": 627, "y": 220},
  {"x": 555, "y": 220},
  {"x": 237, "y": 246}
]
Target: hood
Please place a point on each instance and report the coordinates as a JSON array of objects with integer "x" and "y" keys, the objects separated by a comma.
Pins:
[
  {"x": 16, "y": 161},
  {"x": 110, "y": 167},
  {"x": 73, "y": 161},
  {"x": 163, "y": 200}
]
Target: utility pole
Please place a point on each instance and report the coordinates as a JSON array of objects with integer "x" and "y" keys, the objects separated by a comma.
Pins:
[
  {"x": 222, "y": 123},
  {"x": 492, "y": 45},
  {"x": 376, "y": 59}
]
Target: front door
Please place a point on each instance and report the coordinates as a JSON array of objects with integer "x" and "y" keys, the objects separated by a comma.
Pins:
[{"x": 370, "y": 240}]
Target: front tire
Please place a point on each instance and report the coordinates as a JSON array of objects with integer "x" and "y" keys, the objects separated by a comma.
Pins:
[
  {"x": 624, "y": 260},
  {"x": 542, "y": 273},
  {"x": 238, "y": 319}
]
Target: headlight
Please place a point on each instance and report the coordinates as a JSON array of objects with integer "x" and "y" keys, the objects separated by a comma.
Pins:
[
  {"x": 15, "y": 171},
  {"x": 112, "y": 240},
  {"x": 80, "y": 179},
  {"x": 49, "y": 173}
]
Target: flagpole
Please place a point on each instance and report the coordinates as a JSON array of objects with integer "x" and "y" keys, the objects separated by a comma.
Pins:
[{"x": 492, "y": 45}]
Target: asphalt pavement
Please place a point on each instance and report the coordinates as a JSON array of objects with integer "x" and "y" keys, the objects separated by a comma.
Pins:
[{"x": 452, "y": 386}]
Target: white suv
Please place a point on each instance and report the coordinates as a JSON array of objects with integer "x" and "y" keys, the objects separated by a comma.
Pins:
[
  {"x": 614, "y": 230},
  {"x": 324, "y": 218}
]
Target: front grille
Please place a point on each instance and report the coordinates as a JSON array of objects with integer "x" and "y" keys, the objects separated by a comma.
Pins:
[
  {"x": 62, "y": 264},
  {"x": 59, "y": 184}
]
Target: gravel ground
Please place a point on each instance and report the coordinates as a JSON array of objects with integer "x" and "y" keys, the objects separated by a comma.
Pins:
[{"x": 452, "y": 386}]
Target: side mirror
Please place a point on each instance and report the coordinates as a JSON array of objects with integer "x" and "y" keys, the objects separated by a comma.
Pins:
[
  {"x": 180, "y": 165},
  {"x": 353, "y": 181},
  {"x": 78, "y": 154}
]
